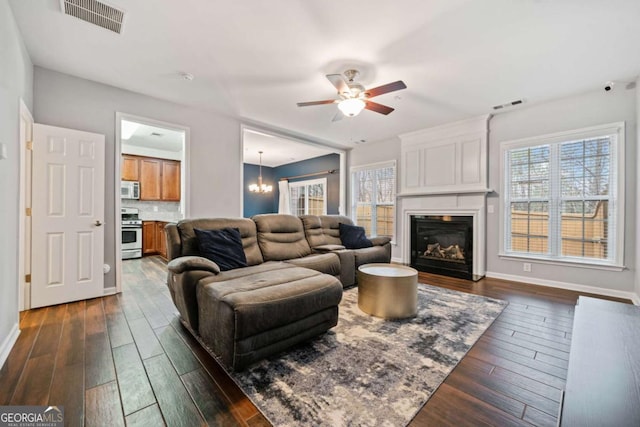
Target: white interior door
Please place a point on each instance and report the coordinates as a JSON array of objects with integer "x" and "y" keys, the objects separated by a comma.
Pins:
[{"x": 67, "y": 215}]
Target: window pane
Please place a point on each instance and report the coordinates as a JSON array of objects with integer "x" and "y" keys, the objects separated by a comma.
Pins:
[
  {"x": 316, "y": 199},
  {"x": 297, "y": 195},
  {"x": 529, "y": 227},
  {"x": 384, "y": 220},
  {"x": 585, "y": 229},
  {"x": 373, "y": 200}
]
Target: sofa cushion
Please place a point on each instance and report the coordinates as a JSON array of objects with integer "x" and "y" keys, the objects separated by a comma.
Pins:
[
  {"x": 224, "y": 247},
  {"x": 236, "y": 309},
  {"x": 328, "y": 263},
  {"x": 353, "y": 237},
  {"x": 323, "y": 230},
  {"x": 281, "y": 237},
  {"x": 189, "y": 241}
]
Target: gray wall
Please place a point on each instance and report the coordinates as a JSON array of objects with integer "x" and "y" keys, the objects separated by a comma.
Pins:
[
  {"x": 637, "y": 178},
  {"x": 575, "y": 112},
  {"x": 16, "y": 81},
  {"x": 214, "y": 154}
]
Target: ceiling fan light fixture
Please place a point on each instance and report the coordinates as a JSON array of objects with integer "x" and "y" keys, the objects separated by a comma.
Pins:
[{"x": 351, "y": 107}]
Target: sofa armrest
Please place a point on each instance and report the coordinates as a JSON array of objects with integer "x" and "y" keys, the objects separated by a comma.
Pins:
[
  {"x": 328, "y": 248},
  {"x": 380, "y": 240},
  {"x": 189, "y": 263}
]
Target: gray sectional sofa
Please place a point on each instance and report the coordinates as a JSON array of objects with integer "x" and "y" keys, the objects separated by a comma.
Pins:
[{"x": 288, "y": 293}]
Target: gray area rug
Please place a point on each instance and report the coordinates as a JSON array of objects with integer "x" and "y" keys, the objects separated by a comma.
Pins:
[{"x": 367, "y": 371}]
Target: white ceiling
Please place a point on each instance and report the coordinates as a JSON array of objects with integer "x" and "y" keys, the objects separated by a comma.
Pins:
[
  {"x": 255, "y": 59},
  {"x": 156, "y": 138},
  {"x": 277, "y": 151}
]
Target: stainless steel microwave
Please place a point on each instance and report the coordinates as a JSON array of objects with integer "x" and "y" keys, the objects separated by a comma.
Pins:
[{"x": 130, "y": 190}]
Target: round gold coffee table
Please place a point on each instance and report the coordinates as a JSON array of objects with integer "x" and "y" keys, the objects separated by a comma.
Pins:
[{"x": 389, "y": 291}]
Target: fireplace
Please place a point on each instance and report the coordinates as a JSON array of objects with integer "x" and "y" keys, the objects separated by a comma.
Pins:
[{"x": 443, "y": 244}]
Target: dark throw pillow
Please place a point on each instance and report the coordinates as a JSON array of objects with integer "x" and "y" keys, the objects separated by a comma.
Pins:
[
  {"x": 353, "y": 237},
  {"x": 224, "y": 247}
]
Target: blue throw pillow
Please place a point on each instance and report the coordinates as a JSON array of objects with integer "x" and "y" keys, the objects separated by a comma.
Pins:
[
  {"x": 353, "y": 237},
  {"x": 224, "y": 247}
]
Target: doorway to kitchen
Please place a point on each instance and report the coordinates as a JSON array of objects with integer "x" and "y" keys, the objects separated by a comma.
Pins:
[{"x": 151, "y": 185}]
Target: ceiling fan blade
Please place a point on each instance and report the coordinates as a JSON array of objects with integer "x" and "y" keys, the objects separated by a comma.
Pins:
[
  {"x": 339, "y": 116},
  {"x": 378, "y": 108},
  {"x": 339, "y": 82},
  {"x": 389, "y": 87},
  {"x": 306, "y": 104}
]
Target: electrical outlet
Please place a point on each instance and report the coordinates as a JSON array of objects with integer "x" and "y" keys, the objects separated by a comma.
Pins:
[
  {"x": 526, "y": 267},
  {"x": 155, "y": 209}
]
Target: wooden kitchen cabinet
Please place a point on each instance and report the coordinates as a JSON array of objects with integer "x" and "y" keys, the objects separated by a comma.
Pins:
[
  {"x": 130, "y": 168},
  {"x": 150, "y": 178},
  {"x": 170, "y": 181},
  {"x": 161, "y": 240},
  {"x": 149, "y": 238},
  {"x": 159, "y": 178},
  {"x": 154, "y": 241}
]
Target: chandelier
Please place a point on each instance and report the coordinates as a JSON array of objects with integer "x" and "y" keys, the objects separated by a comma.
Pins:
[{"x": 260, "y": 187}]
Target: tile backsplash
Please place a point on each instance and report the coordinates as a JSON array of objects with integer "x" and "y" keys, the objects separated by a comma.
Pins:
[{"x": 155, "y": 210}]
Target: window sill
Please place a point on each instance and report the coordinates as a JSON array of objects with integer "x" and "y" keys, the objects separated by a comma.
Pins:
[{"x": 564, "y": 263}]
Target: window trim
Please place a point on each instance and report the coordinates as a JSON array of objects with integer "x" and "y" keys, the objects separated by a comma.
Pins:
[
  {"x": 374, "y": 166},
  {"x": 616, "y": 129},
  {"x": 306, "y": 183}
]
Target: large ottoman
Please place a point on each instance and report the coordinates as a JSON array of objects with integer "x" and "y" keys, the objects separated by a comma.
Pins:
[{"x": 246, "y": 318}]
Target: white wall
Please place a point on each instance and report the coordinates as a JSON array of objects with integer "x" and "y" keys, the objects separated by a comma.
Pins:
[
  {"x": 16, "y": 81},
  {"x": 574, "y": 112},
  {"x": 594, "y": 108},
  {"x": 214, "y": 158}
]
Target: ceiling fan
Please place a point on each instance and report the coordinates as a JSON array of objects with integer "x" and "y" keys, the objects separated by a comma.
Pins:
[{"x": 354, "y": 97}]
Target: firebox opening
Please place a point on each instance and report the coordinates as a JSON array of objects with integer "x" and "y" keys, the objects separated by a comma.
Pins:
[{"x": 443, "y": 245}]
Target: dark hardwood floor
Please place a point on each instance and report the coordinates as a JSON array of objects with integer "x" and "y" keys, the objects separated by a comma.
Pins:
[{"x": 126, "y": 359}]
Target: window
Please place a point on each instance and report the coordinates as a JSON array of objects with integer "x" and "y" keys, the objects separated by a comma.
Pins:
[
  {"x": 564, "y": 196},
  {"x": 308, "y": 197},
  {"x": 373, "y": 198}
]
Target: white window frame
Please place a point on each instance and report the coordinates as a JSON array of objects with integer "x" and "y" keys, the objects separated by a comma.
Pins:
[
  {"x": 617, "y": 133},
  {"x": 308, "y": 183},
  {"x": 353, "y": 205}
]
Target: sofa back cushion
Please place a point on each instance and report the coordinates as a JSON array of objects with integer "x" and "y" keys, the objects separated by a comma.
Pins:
[
  {"x": 323, "y": 230},
  {"x": 281, "y": 237},
  {"x": 247, "y": 228}
]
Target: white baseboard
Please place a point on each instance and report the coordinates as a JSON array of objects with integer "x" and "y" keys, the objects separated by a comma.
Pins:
[
  {"x": 396, "y": 260},
  {"x": 566, "y": 285},
  {"x": 110, "y": 291},
  {"x": 7, "y": 344}
]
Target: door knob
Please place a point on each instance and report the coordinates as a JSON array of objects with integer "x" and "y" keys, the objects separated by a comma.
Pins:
[{"x": 98, "y": 223}]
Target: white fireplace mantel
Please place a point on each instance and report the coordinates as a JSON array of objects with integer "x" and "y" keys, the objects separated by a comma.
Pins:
[{"x": 444, "y": 172}]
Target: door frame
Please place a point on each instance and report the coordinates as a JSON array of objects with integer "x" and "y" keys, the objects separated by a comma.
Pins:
[
  {"x": 24, "y": 202},
  {"x": 184, "y": 178},
  {"x": 342, "y": 208}
]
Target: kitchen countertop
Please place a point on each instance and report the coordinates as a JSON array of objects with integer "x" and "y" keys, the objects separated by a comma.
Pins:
[{"x": 160, "y": 216}]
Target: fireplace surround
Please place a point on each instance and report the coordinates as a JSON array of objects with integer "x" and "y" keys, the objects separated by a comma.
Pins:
[{"x": 442, "y": 244}]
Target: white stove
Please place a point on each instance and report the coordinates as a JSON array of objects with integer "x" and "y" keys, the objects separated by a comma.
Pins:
[{"x": 131, "y": 233}]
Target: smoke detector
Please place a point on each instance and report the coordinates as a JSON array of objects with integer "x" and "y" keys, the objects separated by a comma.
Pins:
[{"x": 95, "y": 12}]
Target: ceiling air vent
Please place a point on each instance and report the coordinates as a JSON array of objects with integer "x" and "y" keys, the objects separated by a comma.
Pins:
[
  {"x": 508, "y": 104},
  {"x": 94, "y": 12}
]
